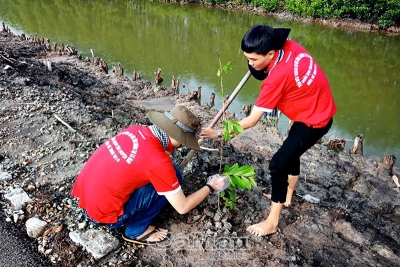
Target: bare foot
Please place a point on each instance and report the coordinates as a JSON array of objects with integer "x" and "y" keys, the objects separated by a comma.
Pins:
[
  {"x": 287, "y": 204},
  {"x": 289, "y": 196},
  {"x": 158, "y": 235},
  {"x": 262, "y": 229}
]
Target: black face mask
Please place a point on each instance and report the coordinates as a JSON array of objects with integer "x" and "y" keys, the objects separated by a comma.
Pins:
[
  {"x": 282, "y": 35},
  {"x": 258, "y": 74}
]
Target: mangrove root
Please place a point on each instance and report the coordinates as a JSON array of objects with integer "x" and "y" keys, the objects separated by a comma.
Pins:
[
  {"x": 157, "y": 78},
  {"x": 247, "y": 109},
  {"x": 357, "y": 145},
  {"x": 336, "y": 144}
]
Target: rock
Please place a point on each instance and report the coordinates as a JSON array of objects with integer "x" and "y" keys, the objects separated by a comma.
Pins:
[
  {"x": 196, "y": 218},
  {"x": 97, "y": 242},
  {"x": 311, "y": 199},
  {"x": 350, "y": 233},
  {"x": 35, "y": 227},
  {"x": 18, "y": 198},
  {"x": 208, "y": 212},
  {"x": 16, "y": 217},
  {"x": 31, "y": 187},
  {"x": 362, "y": 187},
  {"x": 217, "y": 217},
  {"x": 386, "y": 252},
  {"x": 239, "y": 243},
  {"x": 5, "y": 176},
  {"x": 82, "y": 225}
]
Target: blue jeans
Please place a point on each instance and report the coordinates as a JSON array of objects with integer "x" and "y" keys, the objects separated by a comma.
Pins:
[{"x": 141, "y": 208}]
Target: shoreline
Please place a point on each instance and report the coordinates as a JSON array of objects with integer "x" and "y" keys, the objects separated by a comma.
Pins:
[{"x": 351, "y": 24}]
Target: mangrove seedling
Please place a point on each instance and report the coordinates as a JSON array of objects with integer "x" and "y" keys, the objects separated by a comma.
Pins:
[{"x": 241, "y": 177}]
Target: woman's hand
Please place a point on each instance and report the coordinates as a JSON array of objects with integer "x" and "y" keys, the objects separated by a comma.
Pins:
[{"x": 208, "y": 133}]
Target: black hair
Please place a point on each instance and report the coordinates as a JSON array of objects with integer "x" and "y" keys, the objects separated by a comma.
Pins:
[{"x": 259, "y": 39}]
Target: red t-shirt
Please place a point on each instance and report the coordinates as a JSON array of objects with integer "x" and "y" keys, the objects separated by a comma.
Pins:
[
  {"x": 298, "y": 87},
  {"x": 129, "y": 160}
]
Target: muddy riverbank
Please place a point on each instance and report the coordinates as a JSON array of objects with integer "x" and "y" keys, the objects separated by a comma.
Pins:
[
  {"x": 57, "y": 108},
  {"x": 351, "y": 24}
]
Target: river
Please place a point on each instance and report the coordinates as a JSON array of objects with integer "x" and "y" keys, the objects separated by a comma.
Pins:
[{"x": 188, "y": 41}]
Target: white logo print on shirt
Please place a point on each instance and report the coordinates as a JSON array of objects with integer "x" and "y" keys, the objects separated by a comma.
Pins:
[
  {"x": 312, "y": 70},
  {"x": 122, "y": 153}
]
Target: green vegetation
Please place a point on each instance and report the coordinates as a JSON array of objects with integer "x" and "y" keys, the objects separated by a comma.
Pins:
[
  {"x": 384, "y": 13},
  {"x": 241, "y": 177}
]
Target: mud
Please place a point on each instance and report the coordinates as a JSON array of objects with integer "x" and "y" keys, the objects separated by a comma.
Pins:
[{"x": 53, "y": 118}]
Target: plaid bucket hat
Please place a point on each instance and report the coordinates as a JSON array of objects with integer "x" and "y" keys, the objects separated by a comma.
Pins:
[{"x": 180, "y": 123}]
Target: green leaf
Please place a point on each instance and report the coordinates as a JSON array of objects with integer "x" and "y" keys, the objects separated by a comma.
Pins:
[
  {"x": 253, "y": 183},
  {"x": 250, "y": 175},
  {"x": 233, "y": 182},
  {"x": 237, "y": 172},
  {"x": 228, "y": 126},
  {"x": 226, "y": 169},
  {"x": 239, "y": 182},
  {"x": 228, "y": 130},
  {"x": 227, "y": 136},
  {"x": 231, "y": 187},
  {"x": 219, "y": 73},
  {"x": 246, "y": 183},
  {"x": 233, "y": 169},
  {"x": 232, "y": 195},
  {"x": 245, "y": 170},
  {"x": 251, "y": 178},
  {"x": 227, "y": 67},
  {"x": 237, "y": 128}
]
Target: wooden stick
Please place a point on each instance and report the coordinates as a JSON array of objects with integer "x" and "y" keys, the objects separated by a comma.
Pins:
[
  {"x": 76, "y": 141},
  {"x": 209, "y": 149},
  {"x": 66, "y": 124},
  {"x": 217, "y": 117},
  {"x": 8, "y": 59}
]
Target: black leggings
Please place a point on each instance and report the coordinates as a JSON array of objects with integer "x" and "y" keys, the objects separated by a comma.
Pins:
[{"x": 286, "y": 161}]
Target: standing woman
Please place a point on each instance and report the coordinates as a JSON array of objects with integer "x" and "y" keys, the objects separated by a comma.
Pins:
[{"x": 297, "y": 86}]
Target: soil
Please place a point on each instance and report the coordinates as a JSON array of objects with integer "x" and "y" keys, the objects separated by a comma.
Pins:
[{"x": 54, "y": 115}]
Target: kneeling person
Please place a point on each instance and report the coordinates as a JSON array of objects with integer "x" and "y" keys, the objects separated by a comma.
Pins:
[{"x": 131, "y": 177}]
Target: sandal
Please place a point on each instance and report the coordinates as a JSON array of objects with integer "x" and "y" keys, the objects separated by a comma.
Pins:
[{"x": 142, "y": 240}]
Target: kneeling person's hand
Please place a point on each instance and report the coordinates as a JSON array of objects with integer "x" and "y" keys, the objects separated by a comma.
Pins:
[{"x": 219, "y": 183}]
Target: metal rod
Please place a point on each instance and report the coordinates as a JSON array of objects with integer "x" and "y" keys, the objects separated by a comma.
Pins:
[{"x": 218, "y": 116}]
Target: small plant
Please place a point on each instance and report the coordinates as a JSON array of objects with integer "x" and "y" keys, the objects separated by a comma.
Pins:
[
  {"x": 231, "y": 126},
  {"x": 241, "y": 177}
]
